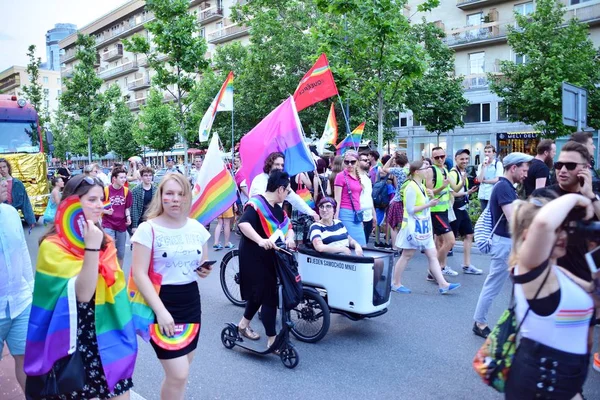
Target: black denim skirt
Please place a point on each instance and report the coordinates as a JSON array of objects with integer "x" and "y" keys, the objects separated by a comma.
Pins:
[{"x": 541, "y": 372}]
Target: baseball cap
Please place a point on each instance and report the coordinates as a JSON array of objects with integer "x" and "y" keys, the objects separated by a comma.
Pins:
[
  {"x": 516, "y": 158},
  {"x": 170, "y": 159},
  {"x": 462, "y": 151}
]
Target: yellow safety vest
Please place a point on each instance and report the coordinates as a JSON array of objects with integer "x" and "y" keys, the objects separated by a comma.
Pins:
[
  {"x": 421, "y": 199},
  {"x": 444, "y": 195}
]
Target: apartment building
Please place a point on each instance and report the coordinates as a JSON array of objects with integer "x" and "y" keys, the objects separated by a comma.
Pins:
[
  {"x": 14, "y": 78},
  {"x": 477, "y": 31}
]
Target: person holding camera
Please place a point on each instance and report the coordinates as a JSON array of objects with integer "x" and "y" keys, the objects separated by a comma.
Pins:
[{"x": 554, "y": 307}]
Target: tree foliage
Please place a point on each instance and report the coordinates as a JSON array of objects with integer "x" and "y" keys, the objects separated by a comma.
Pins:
[
  {"x": 157, "y": 125},
  {"x": 555, "y": 52},
  {"x": 34, "y": 92},
  {"x": 120, "y": 131},
  {"x": 175, "y": 37},
  {"x": 436, "y": 99}
]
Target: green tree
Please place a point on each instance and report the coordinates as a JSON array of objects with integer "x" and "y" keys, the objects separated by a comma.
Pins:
[
  {"x": 554, "y": 52},
  {"x": 120, "y": 131},
  {"x": 436, "y": 99},
  {"x": 158, "y": 126},
  {"x": 34, "y": 92},
  {"x": 60, "y": 125},
  {"x": 88, "y": 107},
  {"x": 175, "y": 33}
]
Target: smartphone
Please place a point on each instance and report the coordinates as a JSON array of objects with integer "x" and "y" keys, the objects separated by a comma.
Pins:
[
  {"x": 206, "y": 264},
  {"x": 581, "y": 181},
  {"x": 593, "y": 259}
]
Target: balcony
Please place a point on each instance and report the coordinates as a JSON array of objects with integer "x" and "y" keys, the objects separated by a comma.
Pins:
[
  {"x": 211, "y": 15},
  {"x": 66, "y": 73},
  {"x": 142, "y": 60},
  {"x": 473, "y": 4},
  {"x": 480, "y": 81},
  {"x": 10, "y": 82},
  {"x": 68, "y": 56},
  {"x": 121, "y": 70},
  {"x": 477, "y": 35},
  {"x": 113, "y": 54},
  {"x": 139, "y": 84},
  {"x": 123, "y": 30},
  {"x": 226, "y": 34},
  {"x": 135, "y": 104},
  {"x": 589, "y": 14}
]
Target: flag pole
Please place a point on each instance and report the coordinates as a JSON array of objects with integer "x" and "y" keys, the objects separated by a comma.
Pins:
[
  {"x": 232, "y": 136},
  {"x": 344, "y": 114}
]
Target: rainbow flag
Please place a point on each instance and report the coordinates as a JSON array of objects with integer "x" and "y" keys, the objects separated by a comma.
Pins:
[
  {"x": 330, "y": 133},
  {"x": 222, "y": 102},
  {"x": 215, "y": 189},
  {"x": 52, "y": 331},
  {"x": 352, "y": 140},
  {"x": 107, "y": 205},
  {"x": 267, "y": 220}
]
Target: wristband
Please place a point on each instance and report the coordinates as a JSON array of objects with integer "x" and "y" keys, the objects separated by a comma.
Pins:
[{"x": 86, "y": 249}]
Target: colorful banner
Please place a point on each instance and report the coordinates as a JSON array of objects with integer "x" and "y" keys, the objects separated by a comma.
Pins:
[
  {"x": 222, "y": 102},
  {"x": 316, "y": 85},
  {"x": 215, "y": 190},
  {"x": 278, "y": 131},
  {"x": 352, "y": 141},
  {"x": 330, "y": 133}
]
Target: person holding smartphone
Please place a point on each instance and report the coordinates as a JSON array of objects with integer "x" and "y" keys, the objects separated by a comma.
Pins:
[{"x": 177, "y": 247}]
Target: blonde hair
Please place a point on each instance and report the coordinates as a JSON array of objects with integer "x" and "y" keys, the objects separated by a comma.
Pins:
[
  {"x": 156, "y": 209},
  {"x": 523, "y": 213}
]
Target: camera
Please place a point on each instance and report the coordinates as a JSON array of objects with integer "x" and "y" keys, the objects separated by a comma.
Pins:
[{"x": 580, "y": 230}]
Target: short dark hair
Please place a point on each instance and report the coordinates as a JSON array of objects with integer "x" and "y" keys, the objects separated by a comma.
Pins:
[
  {"x": 4, "y": 160},
  {"x": 146, "y": 170},
  {"x": 401, "y": 159},
  {"x": 581, "y": 137},
  {"x": 374, "y": 154},
  {"x": 277, "y": 179},
  {"x": 437, "y": 148},
  {"x": 271, "y": 160},
  {"x": 544, "y": 146},
  {"x": 115, "y": 173},
  {"x": 489, "y": 146},
  {"x": 578, "y": 148},
  {"x": 385, "y": 159},
  {"x": 321, "y": 166}
]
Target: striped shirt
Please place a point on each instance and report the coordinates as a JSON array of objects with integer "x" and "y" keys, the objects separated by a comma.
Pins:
[{"x": 335, "y": 235}]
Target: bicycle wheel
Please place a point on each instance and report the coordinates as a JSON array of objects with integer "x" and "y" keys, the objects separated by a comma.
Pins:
[
  {"x": 230, "y": 278},
  {"x": 310, "y": 318}
]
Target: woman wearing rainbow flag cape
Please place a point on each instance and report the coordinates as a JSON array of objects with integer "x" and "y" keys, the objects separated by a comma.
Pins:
[
  {"x": 80, "y": 308},
  {"x": 261, "y": 224},
  {"x": 168, "y": 253}
]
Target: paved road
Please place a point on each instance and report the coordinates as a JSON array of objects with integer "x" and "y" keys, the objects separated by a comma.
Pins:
[{"x": 421, "y": 349}]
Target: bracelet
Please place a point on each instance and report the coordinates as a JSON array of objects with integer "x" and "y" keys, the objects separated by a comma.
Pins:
[{"x": 86, "y": 249}]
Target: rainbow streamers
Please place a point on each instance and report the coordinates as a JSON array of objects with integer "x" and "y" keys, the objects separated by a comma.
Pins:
[{"x": 184, "y": 335}]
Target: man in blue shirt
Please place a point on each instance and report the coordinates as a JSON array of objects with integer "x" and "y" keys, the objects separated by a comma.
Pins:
[
  {"x": 504, "y": 193},
  {"x": 16, "y": 284}
]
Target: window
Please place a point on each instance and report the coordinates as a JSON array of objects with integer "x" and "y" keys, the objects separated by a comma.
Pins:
[
  {"x": 59, "y": 92},
  {"x": 45, "y": 78},
  {"x": 202, "y": 33},
  {"x": 474, "y": 19},
  {"x": 573, "y": 2},
  {"x": 46, "y": 92},
  {"x": 219, "y": 25},
  {"x": 47, "y": 104},
  {"x": 524, "y": 8},
  {"x": 504, "y": 113},
  {"x": 58, "y": 81},
  {"x": 478, "y": 112},
  {"x": 404, "y": 121},
  {"x": 477, "y": 63},
  {"x": 521, "y": 59}
]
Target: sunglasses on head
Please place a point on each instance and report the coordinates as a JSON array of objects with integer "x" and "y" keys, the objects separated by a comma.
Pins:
[
  {"x": 439, "y": 157},
  {"x": 569, "y": 165},
  {"x": 90, "y": 181},
  {"x": 349, "y": 162}
]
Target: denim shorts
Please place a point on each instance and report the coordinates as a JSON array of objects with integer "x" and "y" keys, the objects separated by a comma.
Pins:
[{"x": 14, "y": 332}]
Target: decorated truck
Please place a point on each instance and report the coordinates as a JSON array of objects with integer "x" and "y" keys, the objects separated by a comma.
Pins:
[{"x": 22, "y": 146}]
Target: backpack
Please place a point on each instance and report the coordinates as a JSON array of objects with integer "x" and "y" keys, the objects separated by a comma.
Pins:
[
  {"x": 483, "y": 231},
  {"x": 106, "y": 192},
  {"x": 381, "y": 198}
]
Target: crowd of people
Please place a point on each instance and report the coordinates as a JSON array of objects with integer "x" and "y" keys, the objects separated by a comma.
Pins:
[{"x": 345, "y": 204}]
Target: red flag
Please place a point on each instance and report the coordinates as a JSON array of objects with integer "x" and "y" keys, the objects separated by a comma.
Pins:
[{"x": 317, "y": 85}]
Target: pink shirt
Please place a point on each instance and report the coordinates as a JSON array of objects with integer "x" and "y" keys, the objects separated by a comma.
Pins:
[{"x": 355, "y": 187}]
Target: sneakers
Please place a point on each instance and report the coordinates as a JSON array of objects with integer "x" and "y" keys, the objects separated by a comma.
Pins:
[
  {"x": 470, "y": 269},
  {"x": 401, "y": 289},
  {"x": 218, "y": 247},
  {"x": 430, "y": 278},
  {"x": 449, "y": 271},
  {"x": 484, "y": 333},
  {"x": 596, "y": 362},
  {"x": 231, "y": 246},
  {"x": 453, "y": 286},
  {"x": 451, "y": 253}
]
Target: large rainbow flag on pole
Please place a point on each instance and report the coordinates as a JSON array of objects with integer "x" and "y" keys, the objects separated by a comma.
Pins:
[
  {"x": 52, "y": 330},
  {"x": 352, "y": 140},
  {"x": 330, "y": 133},
  {"x": 215, "y": 190},
  {"x": 222, "y": 102}
]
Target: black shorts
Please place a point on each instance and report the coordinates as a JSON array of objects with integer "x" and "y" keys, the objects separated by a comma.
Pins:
[
  {"x": 441, "y": 224},
  {"x": 462, "y": 225}
]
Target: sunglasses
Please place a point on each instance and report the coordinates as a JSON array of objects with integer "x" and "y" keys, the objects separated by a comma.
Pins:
[
  {"x": 439, "y": 157},
  {"x": 569, "y": 165},
  {"x": 349, "y": 162},
  {"x": 364, "y": 160}
]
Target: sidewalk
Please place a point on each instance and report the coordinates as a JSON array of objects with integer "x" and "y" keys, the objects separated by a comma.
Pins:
[{"x": 9, "y": 388}]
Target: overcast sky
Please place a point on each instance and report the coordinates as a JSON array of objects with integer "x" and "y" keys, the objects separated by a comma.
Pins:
[{"x": 25, "y": 22}]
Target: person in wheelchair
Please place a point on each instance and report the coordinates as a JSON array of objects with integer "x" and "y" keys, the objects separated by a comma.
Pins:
[{"x": 329, "y": 235}]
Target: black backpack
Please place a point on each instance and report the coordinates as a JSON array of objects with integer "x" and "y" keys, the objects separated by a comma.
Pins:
[{"x": 381, "y": 198}]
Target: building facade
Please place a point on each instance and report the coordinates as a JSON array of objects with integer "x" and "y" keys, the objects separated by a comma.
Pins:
[
  {"x": 477, "y": 31},
  {"x": 53, "y": 36},
  {"x": 14, "y": 78}
]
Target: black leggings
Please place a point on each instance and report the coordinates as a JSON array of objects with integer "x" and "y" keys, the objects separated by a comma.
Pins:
[{"x": 268, "y": 315}]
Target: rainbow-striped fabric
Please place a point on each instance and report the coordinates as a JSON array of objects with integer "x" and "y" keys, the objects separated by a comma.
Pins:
[
  {"x": 352, "y": 141},
  {"x": 572, "y": 318},
  {"x": 267, "y": 220},
  {"x": 52, "y": 331},
  {"x": 305, "y": 195}
]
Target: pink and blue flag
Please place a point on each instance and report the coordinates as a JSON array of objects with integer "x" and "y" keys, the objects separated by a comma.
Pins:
[{"x": 278, "y": 131}]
